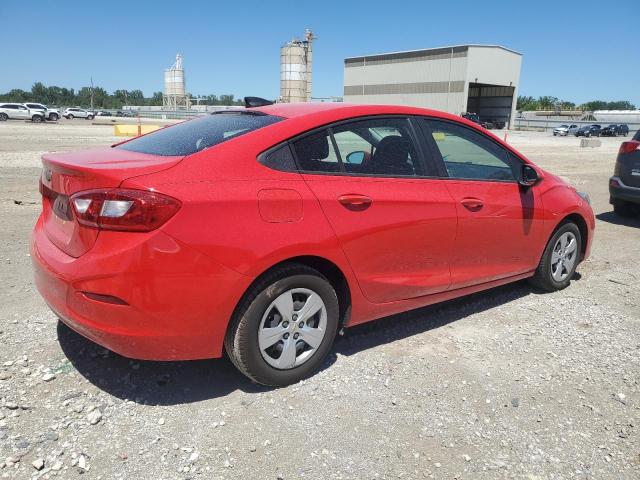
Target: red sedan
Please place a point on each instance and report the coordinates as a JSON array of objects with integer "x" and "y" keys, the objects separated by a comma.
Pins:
[{"x": 261, "y": 232}]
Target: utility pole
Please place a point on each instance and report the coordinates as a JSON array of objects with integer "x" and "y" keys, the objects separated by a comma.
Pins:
[{"x": 92, "y": 94}]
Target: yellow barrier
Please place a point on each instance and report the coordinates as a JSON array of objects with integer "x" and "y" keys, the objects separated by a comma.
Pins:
[{"x": 132, "y": 130}]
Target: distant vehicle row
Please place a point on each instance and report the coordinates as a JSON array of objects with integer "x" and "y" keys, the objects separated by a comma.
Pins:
[
  {"x": 595, "y": 130},
  {"x": 489, "y": 124},
  {"x": 37, "y": 112},
  {"x": 20, "y": 111}
]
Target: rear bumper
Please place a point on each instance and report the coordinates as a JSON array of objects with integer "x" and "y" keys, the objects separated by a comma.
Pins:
[
  {"x": 619, "y": 191},
  {"x": 175, "y": 302}
]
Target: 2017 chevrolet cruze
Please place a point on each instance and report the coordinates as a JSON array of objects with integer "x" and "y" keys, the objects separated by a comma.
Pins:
[{"x": 261, "y": 232}]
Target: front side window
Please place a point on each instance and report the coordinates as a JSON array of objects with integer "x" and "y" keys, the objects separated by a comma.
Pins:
[
  {"x": 378, "y": 147},
  {"x": 194, "y": 135},
  {"x": 467, "y": 154}
]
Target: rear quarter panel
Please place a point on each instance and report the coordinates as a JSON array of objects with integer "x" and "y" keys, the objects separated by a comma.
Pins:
[{"x": 244, "y": 215}]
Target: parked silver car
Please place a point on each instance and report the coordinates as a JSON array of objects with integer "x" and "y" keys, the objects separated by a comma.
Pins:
[{"x": 564, "y": 130}]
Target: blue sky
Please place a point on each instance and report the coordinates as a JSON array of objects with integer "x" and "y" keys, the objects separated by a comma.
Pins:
[{"x": 577, "y": 51}]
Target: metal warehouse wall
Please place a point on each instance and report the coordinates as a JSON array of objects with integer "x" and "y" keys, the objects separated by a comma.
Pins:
[
  {"x": 435, "y": 78},
  {"x": 431, "y": 79},
  {"x": 495, "y": 66}
]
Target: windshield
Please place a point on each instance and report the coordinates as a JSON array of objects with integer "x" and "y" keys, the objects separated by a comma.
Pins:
[{"x": 195, "y": 135}]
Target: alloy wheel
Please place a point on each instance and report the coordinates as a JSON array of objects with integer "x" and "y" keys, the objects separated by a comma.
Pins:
[{"x": 564, "y": 256}]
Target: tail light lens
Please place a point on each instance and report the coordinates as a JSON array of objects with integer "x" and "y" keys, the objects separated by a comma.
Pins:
[
  {"x": 630, "y": 146},
  {"x": 122, "y": 209}
]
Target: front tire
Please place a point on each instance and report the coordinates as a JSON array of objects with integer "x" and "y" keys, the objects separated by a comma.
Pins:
[
  {"x": 54, "y": 117},
  {"x": 560, "y": 259},
  {"x": 89, "y": 117},
  {"x": 284, "y": 326},
  {"x": 69, "y": 117},
  {"x": 36, "y": 118}
]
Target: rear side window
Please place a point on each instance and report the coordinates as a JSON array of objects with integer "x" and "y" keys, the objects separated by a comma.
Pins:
[
  {"x": 315, "y": 153},
  {"x": 637, "y": 136},
  {"x": 381, "y": 147},
  {"x": 195, "y": 135},
  {"x": 280, "y": 158}
]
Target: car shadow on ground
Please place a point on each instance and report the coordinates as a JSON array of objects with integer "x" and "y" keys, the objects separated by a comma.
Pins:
[
  {"x": 172, "y": 383},
  {"x": 615, "y": 219}
]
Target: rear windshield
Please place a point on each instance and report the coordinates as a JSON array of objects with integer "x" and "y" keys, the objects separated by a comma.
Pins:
[{"x": 195, "y": 135}]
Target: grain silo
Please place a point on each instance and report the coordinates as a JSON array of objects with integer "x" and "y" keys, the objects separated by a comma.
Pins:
[
  {"x": 295, "y": 69},
  {"x": 175, "y": 96}
]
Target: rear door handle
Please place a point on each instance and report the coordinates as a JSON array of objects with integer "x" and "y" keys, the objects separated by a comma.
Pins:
[
  {"x": 472, "y": 204},
  {"x": 355, "y": 202}
]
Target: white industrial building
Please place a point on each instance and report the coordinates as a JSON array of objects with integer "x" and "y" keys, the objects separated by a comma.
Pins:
[{"x": 480, "y": 79}]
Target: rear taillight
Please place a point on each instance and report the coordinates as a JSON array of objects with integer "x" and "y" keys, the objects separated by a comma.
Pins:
[
  {"x": 630, "y": 146},
  {"x": 125, "y": 210}
]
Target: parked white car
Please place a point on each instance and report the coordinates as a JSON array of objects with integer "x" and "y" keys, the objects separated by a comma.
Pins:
[
  {"x": 76, "y": 112},
  {"x": 49, "y": 113},
  {"x": 18, "y": 111}
]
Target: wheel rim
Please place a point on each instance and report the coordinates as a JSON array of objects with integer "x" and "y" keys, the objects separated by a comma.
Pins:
[
  {"x": 292, "y": 328},
  {"x": 563, "y": 258}
]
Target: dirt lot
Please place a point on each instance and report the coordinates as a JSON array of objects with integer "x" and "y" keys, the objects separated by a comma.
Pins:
[{"x": 509, "y": 383}]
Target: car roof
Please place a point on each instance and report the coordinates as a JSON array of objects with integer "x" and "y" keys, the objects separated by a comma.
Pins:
[
  {"x": 340, "y": 109},
  {"x": 316, "y": 114}
]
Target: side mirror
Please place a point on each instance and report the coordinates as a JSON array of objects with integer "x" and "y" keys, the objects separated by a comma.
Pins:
[
  {"x": 356, "y": 157},
  {"x": 528, "y": 176}
]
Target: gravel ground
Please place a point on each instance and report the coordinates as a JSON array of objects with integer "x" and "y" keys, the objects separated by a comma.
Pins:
[{"x": 508, "y": 383}]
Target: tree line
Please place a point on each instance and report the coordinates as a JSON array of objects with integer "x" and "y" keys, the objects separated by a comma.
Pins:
[
  {"x": 61, "y": 96},
  {"x": 553, "y": 103}
]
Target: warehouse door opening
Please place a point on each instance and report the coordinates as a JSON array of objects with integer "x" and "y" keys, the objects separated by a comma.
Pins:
[{"x": 492, "y": 103}]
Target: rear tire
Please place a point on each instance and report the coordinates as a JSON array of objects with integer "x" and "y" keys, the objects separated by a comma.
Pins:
[
  {"x": 560, "y": 259},
  {"x": 69, "y": 117},
  {"x": 89, "y": 117},
  {"x": 36, "y": 118},
  {"x": 625, "y": 209},
  {"x": 269, "y": 346},
  {"x": 4, "y": 117}
]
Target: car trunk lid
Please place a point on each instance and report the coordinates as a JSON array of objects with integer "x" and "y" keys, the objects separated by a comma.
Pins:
[{"x": 65, "y": 174}]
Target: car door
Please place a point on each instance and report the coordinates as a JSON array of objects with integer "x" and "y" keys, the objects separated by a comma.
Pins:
[
  {"x": 499, "y": 221},
  {"x": 394, "y": 223},
  {"x": 24, "y": 112}
]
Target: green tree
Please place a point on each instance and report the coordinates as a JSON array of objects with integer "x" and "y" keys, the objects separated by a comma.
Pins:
[
  {"x": 594, "y": 105},
  {"x": 621, "y": 105}
]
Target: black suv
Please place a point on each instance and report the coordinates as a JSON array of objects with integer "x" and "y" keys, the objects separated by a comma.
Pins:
[
  {"x": 610, "y": 131},
  {"x": 624, "y": 186},
  {"x": 623, "y": 130},
  {"x": 588, "y": 130}
]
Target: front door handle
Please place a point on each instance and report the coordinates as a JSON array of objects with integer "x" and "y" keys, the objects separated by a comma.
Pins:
[
  {"x": 355, "y": 202},
  {"x": 472, "y": 204}
]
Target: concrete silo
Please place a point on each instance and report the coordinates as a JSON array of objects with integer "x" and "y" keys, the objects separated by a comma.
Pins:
[
  {"x": 175, "y": 95},
  {"x": 295, "y": 69}
]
